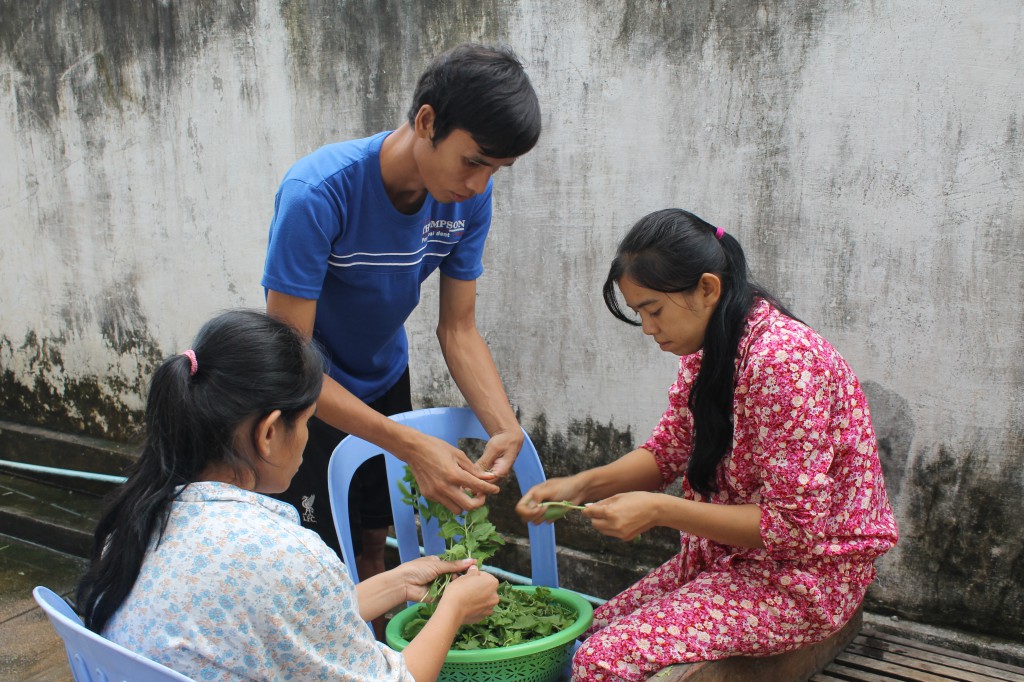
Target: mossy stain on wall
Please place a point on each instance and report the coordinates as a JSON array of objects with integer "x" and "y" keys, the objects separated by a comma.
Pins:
[
  {"x": 963, "y": 539},
  {"x": 93, "y": 57},
  {"x": 89, "y": 405},
  {"x": 39, "y": 387},
  {"x": 377, "y": 50}
]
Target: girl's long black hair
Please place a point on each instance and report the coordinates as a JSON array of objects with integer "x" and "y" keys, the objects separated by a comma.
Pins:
[
  {"x": 248, "y": 365},
  {"x": 668, "y": 251}
]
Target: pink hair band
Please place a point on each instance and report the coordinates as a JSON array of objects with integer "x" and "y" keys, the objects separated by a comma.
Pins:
[
  {"x": 718, "y": 233},
  {"x": 194, "y": 364}
]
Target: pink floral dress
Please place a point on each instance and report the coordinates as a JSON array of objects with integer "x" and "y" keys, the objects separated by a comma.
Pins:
[{"x": 804, "y": 450}]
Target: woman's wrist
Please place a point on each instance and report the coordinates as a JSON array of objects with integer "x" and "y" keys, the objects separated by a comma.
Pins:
[
  {"x": 664, "y": 507},
  {"x": 398, "y": 586},
  {"x": 588, "y": 485},
  {"x": 425, "y": 653},
  {"x": 379, "y": 593},
  {"x": 601, "y": 482}
]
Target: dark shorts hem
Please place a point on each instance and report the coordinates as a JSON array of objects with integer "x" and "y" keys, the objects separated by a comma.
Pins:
[{"x": 369, "y": 501}]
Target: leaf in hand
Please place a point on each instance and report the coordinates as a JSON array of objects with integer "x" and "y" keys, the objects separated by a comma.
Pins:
[{"x": 556, "y": 510}]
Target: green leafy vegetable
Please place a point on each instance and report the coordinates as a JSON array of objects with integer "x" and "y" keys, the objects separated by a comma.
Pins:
[
  {"x": 520, "y": 616},
  {"x": 468, "y": 536},
  {"x": 556, "y": 510}
]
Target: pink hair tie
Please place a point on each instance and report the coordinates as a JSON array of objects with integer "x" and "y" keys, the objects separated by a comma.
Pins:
[
  {"x": 191, "y": 355},
  {"x": 718, "y": 233}
]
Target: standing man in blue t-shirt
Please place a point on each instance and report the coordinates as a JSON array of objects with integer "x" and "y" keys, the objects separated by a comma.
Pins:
[{"x": 358, "y": 226}]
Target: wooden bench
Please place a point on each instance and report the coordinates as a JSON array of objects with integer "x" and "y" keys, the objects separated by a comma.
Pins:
[
  {"x": 879, "y": 656},
  {"x": 792, "y": 666}
]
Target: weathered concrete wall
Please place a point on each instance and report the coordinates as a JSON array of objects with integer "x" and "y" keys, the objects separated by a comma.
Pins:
[{"x": 869, "y": 155}]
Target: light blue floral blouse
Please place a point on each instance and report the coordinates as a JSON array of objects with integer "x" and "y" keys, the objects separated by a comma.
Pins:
[{"x": 237, "y": 590}]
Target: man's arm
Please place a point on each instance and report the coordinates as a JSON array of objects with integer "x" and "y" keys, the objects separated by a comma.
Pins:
[
  {"x": 471, "y": 365},
  {"x": 443, "y": 472}
]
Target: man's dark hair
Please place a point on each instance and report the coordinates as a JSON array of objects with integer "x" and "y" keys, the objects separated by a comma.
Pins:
[{"x": 484, "y": 91}]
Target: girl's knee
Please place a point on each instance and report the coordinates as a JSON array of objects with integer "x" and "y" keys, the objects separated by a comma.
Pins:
[{"x": 600, "y": 659}]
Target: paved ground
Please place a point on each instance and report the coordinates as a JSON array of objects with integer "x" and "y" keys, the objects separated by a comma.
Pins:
[
  {"x": 34, "y": 513},
  {"x": 30, "y": 650}
]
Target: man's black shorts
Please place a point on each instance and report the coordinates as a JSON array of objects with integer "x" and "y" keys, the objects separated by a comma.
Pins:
[{"x": 369, "y": 502}]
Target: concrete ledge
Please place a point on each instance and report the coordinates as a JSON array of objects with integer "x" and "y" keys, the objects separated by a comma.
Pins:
[
  {"x": 983, "y": 646},
  {"x": 56, "y": 536},
  {"x": 44, "y": 447},
  {"x": 792, "y": 666},
  {"x": 48, "y": 515}
]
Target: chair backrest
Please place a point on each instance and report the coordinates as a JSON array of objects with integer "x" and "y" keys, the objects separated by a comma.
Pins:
[
  {"x": 449, "y": 424},
  {"x": 93, "y": 658}
]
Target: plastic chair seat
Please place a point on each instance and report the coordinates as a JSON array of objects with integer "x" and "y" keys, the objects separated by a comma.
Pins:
[{"x": 92, "y": 657}]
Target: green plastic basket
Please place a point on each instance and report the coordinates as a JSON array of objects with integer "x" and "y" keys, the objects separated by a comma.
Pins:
[{"x": 541, "y": 660}]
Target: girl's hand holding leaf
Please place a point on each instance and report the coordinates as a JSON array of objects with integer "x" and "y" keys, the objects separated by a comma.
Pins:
[
  {"x": 418, "y": 574},
  {"x": 626, "y": 515},
  {"x": 556, "y": 491},
  {"x": 470, "y": 599},
  {"x": 468, "y": 536},
  {"x": 474, "y": 594}
]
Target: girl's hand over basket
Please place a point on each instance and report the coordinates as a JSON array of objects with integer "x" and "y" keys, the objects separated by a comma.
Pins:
[
  {"x": 418, "y": 574},
  {"x": 474, "y": 595}
]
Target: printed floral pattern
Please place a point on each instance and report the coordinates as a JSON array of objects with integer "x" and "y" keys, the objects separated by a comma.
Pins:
[
  {"x": 236, "y": 589},
  {"x": 805, "y": 451}
]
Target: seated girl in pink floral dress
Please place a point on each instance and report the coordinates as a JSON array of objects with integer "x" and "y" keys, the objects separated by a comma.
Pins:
[{"x": 783, "y": 508}]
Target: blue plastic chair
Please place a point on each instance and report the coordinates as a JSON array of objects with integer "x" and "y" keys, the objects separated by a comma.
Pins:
[
  {"x": 93, "y": 658},
  {"x": 449, "y": 424}
]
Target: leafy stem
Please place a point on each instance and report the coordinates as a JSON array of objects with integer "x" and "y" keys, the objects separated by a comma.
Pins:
[
  {"x": 520, "y": 616},
  {"x": 467, "y": 536},
  {"x": 555, "y": 510}
]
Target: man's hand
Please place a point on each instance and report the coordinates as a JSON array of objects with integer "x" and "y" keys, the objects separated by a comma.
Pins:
[
  {"x": 446, "y": 475},
  {"x": 501, "y": 452}
]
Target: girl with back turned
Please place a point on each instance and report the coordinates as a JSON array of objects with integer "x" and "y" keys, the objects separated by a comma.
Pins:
[{"x": 195, "y": 567}]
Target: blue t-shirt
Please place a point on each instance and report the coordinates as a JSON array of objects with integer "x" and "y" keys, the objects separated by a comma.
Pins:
[{"x": 337, "y": 238}]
